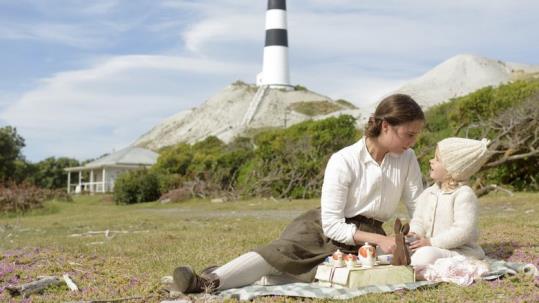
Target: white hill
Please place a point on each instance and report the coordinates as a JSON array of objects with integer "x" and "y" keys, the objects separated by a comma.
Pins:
[
  {"x": 461, "y": 75},
  {"x": 236, "y": 110}
]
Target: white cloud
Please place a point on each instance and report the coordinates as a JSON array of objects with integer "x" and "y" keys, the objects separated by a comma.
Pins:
[
  {"x": 356, "y": 50},
  {"x": 99, "y": 7},
  {"x": 432, "y": 30},
  {"x": 72, "y": 35},
  {"x": 113, "y": 102},
  {"x": 223, "y": 29}
]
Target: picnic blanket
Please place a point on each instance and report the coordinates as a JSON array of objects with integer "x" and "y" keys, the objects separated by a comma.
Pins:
[
  {"x": 313, "y": 290},
  {"x": 497, "y": 269}
]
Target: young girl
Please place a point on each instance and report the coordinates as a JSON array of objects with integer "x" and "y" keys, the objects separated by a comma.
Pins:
[{"x": 445, "y": 219}]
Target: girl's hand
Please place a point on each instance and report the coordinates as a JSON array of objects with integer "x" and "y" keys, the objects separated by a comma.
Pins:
[{"x": 420, "y": 242}]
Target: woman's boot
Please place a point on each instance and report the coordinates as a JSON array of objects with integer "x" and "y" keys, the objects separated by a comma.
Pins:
[{"x": 187, "y": 281}]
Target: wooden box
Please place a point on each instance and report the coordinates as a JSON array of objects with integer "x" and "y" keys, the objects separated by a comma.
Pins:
[{"x": 357, "y": 277}]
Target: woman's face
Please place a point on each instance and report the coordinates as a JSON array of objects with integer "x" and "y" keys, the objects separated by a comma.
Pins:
[
  {"x": 397, "y": 139},
  {"x": 438, "y": 172}
]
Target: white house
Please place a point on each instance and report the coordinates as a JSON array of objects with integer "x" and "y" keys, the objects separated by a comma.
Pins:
[{"x": 98, "y": 176}]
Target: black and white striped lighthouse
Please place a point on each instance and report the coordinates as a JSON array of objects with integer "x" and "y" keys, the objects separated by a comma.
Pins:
[{"x": 275, "y": 64}]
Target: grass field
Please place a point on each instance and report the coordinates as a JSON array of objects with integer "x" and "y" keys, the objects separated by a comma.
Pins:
[{"x": 146, "y": 241}]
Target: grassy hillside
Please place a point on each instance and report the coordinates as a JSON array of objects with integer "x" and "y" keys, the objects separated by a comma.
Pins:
[
  {"x": 315, "y": 108},
  {"x": 146, "y": 241}
]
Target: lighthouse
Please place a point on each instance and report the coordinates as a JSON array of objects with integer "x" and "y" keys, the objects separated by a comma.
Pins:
[{"x": 275, "y": 72}]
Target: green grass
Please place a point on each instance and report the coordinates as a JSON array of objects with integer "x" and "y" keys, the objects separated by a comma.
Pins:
[
  {"x": 159, "y": 237},
  {"x": 314, "y": 108},
  {"x": 346, "y": 104}
]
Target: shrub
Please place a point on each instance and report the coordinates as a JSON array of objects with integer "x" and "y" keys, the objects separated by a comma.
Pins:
[
  {"x": 136, "y": 186},
  {"x": 209, "y": 161},
  {"x": 314, "y": 108},
  {"x": 19, "y": 198},
  {"x": 470, "y": 116},
  {"x": 346, "y": 104},
  {"x": 177, "y": 195},
  {"x": 290, "y": 162},
  {"x": 174, "y": 160}
]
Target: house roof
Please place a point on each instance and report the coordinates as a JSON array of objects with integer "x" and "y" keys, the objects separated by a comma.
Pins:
[{"x": 130, "y": 156}]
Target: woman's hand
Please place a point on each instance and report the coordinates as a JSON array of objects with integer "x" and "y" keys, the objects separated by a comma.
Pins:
[
  {"x": 420, "y": 242},
  {"x": 387, "y": 244}
]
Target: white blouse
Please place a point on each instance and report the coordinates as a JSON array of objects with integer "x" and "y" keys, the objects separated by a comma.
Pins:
[{"x": 355, "y": 184}]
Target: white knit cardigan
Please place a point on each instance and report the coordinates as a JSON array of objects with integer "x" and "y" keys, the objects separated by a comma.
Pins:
[{"x": 448, "y": 219}]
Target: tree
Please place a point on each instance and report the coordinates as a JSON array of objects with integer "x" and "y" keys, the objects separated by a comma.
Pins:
[
  {"x": 509, "y": 116},
  {"x": 49, "y": 173},
  {"x": 515, "y": 145},
  {"x": 11, "y": 145}
]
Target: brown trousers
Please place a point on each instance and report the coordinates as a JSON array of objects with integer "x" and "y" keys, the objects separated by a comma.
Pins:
[{"x": 302, "y": 245}]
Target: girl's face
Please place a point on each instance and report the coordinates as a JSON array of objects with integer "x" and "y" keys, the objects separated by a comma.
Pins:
[
  {"x": 399, "y": 138},
  {"x": 438, "y": 172}
]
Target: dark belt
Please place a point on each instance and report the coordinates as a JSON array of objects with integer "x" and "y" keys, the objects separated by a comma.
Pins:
[
  {"x": 358, "y": 220},
  {"x": 365, "y": 220}
]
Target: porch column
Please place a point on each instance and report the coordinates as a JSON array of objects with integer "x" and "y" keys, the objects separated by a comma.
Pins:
[
  {"x": 92, "y": 188},
  {"x": 80, "y": 180},
  {"x": 68, "y": 182},
  {"x": 104, "y": 181}
]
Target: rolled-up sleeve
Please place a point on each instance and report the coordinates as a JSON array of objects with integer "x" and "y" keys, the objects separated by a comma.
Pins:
[{"x": 337, "y": 182}]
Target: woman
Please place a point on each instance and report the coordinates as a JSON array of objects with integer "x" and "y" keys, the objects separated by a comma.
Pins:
[{"x": 363, "y": 184}]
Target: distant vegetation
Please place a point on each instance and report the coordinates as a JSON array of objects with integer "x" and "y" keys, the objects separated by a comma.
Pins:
[
  {"x": 280, "y": 163},
  {"x": 315, "y": 108},
  {"x": 25, "y": 185},
  {"x": 137, "y": 186},
  {"x": 20, "y": 198},
  {"x": 346, "y": 104},
  {"x": 508, "y": 115},
  {"x": 11, "y": 144},
  {"x": 289, "y": 163},
  {"x": 300, "y": 88},
  {"x": 14, "y": 168}
]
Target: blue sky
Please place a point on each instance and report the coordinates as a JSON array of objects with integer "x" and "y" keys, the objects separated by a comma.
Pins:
[{"x": 80, "y": 78}]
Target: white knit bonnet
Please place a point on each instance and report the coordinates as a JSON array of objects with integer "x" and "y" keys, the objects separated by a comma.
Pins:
[{"x": 462, "y": 157}]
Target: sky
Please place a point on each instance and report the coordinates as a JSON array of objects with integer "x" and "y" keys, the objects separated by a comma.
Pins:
[{"x": 82, "y": 78}]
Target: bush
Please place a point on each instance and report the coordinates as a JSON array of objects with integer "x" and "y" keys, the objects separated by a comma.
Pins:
[
  {"x": 19, "y": 198},
  {"x": 300, "y": 88},
  {"x": 465, "y": 117},
  {"x": 346, "y": 104},
  {"x": 136, "y": 187},
  {"x": 285, "y": 163},
  {"x": 290, "y": 162},
  {"x": 314, "y": 108},
  {"x": 209, "y": 161},
  {"x": 177, "y": 195}
]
